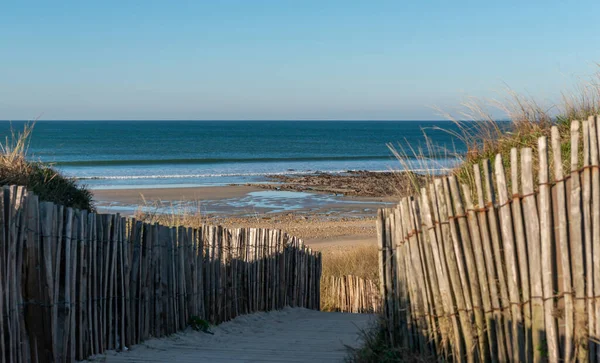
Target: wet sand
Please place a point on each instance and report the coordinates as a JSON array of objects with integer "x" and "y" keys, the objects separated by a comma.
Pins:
[
  {"x": 321, "y": 220},
  {"x": 139, "y": 196}
]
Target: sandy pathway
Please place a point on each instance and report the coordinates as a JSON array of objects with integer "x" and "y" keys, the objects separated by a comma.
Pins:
[{"x": 289, "y": 335}]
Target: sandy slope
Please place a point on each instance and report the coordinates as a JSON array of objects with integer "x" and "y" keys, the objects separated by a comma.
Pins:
[{"x": 289, "y": 335}]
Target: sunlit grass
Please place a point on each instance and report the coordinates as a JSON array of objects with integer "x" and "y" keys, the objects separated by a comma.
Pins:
[{"x": 16, "y": 168}]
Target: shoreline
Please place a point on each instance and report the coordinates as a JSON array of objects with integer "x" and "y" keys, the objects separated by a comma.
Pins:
[
  {"x": 141, "y": 195},
  {"x": 321, "y": 220},
  {"x": 390, "y": 185}
]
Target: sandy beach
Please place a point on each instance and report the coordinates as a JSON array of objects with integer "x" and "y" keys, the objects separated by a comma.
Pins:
[
  {"x": 322, "y": 220},
  {"x": 140, "y": 196}
]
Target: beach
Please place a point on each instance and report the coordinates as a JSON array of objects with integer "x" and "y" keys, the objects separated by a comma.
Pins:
[{"x": 322, "y": 220}]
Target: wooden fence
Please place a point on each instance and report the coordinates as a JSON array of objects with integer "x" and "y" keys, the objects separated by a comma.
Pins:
[
  {"x": 74, "y": 284},
  {"x": 351, "y": 294},
  {"x": 498, "y": 274}
]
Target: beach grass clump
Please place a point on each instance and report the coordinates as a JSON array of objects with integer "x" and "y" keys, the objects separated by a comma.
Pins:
[
  {"x": 528, "y": 121},
  {"x": 43, "y": 180},
  {"x": 485, "y": 137}
]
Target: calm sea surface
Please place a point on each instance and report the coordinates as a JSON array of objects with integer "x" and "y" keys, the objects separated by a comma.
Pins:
[{"x": 142, "y": 154}]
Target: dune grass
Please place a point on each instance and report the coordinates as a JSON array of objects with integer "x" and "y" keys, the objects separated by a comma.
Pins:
[
  {"x": 361, "y": 261},
  {"x": 43, "y": 180},
  {"x": 485, "y": 137}
]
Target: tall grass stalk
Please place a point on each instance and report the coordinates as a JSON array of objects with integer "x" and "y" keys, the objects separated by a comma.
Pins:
[
  {"x": 361, "y": 261},
  {"x": 174, "y": 215},
  {"x": 17, "y": 168}
]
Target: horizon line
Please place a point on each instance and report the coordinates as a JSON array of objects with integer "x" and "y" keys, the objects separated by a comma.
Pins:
[{"x": 244, "y": 120}]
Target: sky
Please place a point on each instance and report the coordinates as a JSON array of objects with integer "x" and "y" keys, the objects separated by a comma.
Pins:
[{"x": 286, "y": 60}]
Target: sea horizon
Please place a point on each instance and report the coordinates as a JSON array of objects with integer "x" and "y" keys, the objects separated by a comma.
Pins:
[{"x": 193, "y": 153}]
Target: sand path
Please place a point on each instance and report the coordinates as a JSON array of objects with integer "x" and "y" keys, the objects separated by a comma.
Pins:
[{"x": 289, "y": 335}]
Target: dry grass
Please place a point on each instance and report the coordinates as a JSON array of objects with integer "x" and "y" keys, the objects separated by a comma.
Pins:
[
  {"x": 487, "y": 138},
  {"x": 14, "y": 150},
  {"x": 528, "y": 121},
  {"x": 484, "y": 137},
  {"x": 172, "y": 215},
  {"x": 360, "y": 261},
  {"x": 43, "y": 180}
]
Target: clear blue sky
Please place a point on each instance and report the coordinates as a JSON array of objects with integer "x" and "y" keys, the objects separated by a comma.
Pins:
[{"x": 253, "y": 59}]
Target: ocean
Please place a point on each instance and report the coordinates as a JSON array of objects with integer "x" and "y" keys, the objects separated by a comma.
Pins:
[{"x": 147, "y": 154}]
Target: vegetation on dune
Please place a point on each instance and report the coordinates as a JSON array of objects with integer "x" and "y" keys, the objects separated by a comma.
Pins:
[
  {"x": 485, "y": 137},
  {"x": 47, "y": 183}
]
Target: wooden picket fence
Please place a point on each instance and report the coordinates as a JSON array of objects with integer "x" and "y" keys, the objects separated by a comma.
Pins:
[
  {"x": 352, "y": 294},
  {"x": 75, "y": 284},
  {"x": 498, "y": 274}
]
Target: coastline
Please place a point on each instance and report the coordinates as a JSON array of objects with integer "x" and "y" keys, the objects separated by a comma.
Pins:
[
  {"x": 389, "y": 185},
  {"x": 139, "y": 196},
  {"x": 321, "y": 219}
]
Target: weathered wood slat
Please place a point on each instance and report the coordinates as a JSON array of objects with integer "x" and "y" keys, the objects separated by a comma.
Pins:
[
  {"x": 577, "y": 252},
  {"x": 470, "y": 338},
  {"x": 495, "y": 296},
  {"x": 594, "y": 134},
  {"x": 521, "y": 245},
  {"x": 495, "y": 354},
  {"x": 547, "y": 246},
  {"x": 561, "y": 235},
  {"x": 510, "y": 259},
  {"x": 449, "y": 319},
  {"x": 439, "y": 323},
  {"x": 469, "y": 260},
  {"x": 532, "y": 230},
  {"x": 527, "y": 260}
]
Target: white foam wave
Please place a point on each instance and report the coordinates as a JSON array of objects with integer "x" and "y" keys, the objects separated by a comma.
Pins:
[{"x": 220, "y": 175}]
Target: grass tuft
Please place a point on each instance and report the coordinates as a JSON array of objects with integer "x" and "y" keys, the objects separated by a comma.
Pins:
[
  {"x": 485, "y": 137},
  {"x": 47, "y": 183}
]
